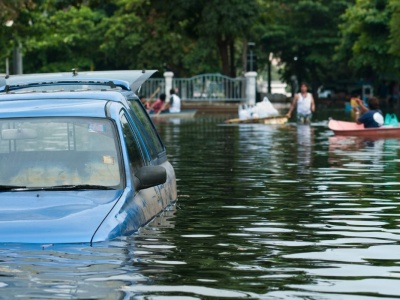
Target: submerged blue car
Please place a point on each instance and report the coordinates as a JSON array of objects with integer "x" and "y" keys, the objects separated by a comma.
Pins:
[{"x": 80, "y": 159}]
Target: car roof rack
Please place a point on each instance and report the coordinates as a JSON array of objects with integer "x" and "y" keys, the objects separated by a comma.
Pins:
[{"x": 126, "y": 79}]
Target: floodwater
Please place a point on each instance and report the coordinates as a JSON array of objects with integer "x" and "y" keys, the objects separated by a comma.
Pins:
[{"x": 264, "y": 212}]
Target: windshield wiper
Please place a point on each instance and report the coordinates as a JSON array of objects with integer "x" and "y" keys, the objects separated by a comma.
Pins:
[
  {"x": 11, "y": 187},
  {"x": 78, "y": 187},
  {"x": 55, "y": 188}
]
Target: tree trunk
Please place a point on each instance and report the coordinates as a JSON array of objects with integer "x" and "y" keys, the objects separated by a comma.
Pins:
[
  {"x": 232, "y": 58},
  {"x": 244, "y": 56},
  {"x": 269, "y": 76},
  {"x": 223, "y": 51}
]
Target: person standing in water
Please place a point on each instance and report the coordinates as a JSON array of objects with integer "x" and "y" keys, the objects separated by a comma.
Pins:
[{"x": 304, "y": 101}]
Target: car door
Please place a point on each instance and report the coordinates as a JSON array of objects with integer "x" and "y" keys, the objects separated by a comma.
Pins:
[
  {"x": 145, "y": 203},
  {"x": 157, "y": 152}
]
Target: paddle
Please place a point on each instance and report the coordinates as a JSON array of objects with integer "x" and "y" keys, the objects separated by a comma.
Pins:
[{"x": 152, "y": 95}]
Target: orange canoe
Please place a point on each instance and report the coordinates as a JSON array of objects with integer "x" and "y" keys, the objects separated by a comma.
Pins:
[{"x": 353, "y": 129}]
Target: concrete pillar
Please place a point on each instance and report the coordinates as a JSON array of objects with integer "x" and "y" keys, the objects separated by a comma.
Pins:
[
  {"x": 251, "y": 87},
  {"x": 17, "y": 59},
  {"x": 7, "y": 66},
  {"x": 168, "y": 82}
]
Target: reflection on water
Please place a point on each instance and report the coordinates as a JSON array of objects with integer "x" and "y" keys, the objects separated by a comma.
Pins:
[
  {"x": 304, "y": 149},
  {"x": 270, "y": 212}
]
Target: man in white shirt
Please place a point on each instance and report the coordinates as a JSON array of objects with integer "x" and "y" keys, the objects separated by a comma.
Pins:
[
  {"x": 173, "y": 104},
  {"x": 305, "y": 105}
]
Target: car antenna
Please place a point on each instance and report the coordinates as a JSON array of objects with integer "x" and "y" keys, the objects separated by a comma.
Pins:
[{"x": 74, "y": 72}]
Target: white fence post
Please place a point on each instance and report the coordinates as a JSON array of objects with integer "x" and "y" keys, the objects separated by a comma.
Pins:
[
  {"x": 168, "y": 82},
  {"x": 251, "y": 87}
]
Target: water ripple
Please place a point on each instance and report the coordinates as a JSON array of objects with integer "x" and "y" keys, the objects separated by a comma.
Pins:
[{"x": 264, "y": 212}]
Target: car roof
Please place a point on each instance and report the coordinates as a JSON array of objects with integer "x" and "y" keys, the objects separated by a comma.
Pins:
[
  {"x": 116, "y": 96},
  {"x": 58, "y": 104},
  {"x": 80, "y": 95},
  {"x": 126, "y": 79}
]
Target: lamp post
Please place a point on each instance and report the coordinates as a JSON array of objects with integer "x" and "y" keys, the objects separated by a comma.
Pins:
[
  {"x": 8, "y": 24},
  {"x": 251, "y": 75},
  {"x": 269, "y": 72},
  {"x": 294, "y": 84},
  {"x": 251, "y": 58},
  {"x": 17, "y": 58},
  {"x": 17, "y": 54}
]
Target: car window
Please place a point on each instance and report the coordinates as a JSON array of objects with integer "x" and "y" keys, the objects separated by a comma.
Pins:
[
  {"x": 134, "y": 152},
  {"x": 43, "y": 152},
  {"x": 147, "y": 129}
]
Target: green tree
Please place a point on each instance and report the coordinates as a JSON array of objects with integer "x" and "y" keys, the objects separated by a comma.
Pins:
[
  {"x": 222, "y": 25},
  {"x": 394, "y": 38},
  {"x": 197, "y": 36},
  {"x": 303, "y": 35},
  {"x": 369, "y": 39},
  {"x": 137, "y": 36},
  {"x": 188, "y": 37},
  {"x": 60, "y": 40},
  {"x": 10, "y": 16},
  {"x": 55, "y": 35},
  {"x": 9, "y": 10}
]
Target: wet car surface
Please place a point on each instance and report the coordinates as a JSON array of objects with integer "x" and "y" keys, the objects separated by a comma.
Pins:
[{"x": 80, "y": 159}]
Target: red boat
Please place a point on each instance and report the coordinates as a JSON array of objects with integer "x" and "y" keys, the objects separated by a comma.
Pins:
[{"x": 353, "y": 129}]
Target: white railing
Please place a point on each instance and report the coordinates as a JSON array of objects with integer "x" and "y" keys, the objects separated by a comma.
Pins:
[
  {"x": 152, "y": 86},
  {"x": 211, "y": 88},
  {"x": 206, "y": 87}
]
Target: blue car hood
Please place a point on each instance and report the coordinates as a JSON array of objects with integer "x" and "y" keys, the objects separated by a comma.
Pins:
[{"x": 53, "y": 216}]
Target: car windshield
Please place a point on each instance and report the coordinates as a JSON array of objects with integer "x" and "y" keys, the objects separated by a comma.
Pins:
[{"x": 56, "y": 152}]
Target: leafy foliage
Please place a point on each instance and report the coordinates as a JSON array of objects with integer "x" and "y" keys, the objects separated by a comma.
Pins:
[
  {"x": 63, "y": 39},
  {"x": 206, "y": 36},
  {"x": 303, "y": 35},
  {"x": 10, "y": 11},
  {"x": 369, "y": 38},
  {"x": 394, "y": 40}
]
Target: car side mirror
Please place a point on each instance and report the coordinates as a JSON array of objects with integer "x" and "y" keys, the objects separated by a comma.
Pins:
[{"x": 149, "y": 176}]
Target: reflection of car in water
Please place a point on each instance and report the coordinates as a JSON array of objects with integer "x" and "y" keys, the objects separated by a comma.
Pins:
[{"x": 80, "y": 158}]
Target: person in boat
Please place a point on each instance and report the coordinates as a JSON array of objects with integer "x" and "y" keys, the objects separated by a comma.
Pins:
[
  {"x": 145, "y": 102},
  {"x": 173, "y": 104},
  {"x": 304, "y": 102},
  {"x": 157, "y": 106},
  {"x": 372, "y": 116}
]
